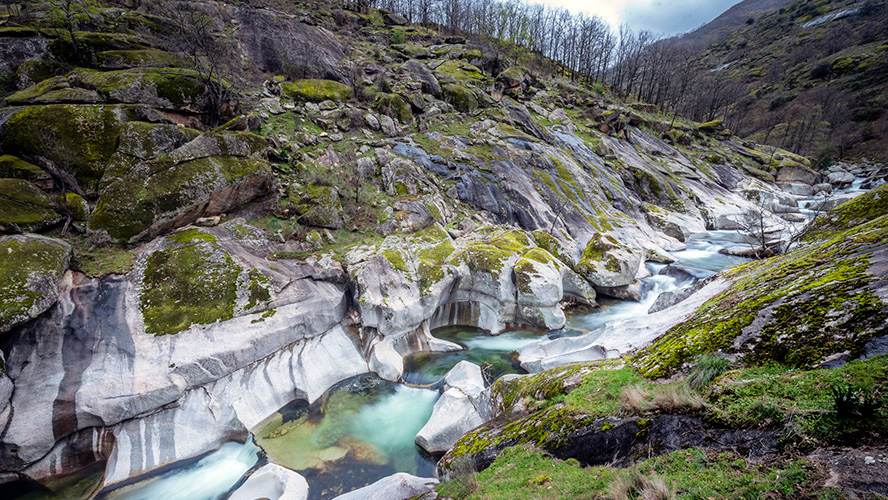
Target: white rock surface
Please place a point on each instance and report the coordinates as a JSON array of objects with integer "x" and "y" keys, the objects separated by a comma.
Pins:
[
  {"x": 274, "y": 483},
  {"x": 400, "y": 486}
]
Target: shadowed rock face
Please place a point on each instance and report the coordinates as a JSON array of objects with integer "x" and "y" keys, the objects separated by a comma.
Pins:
[{"x": 291, "y": 46}]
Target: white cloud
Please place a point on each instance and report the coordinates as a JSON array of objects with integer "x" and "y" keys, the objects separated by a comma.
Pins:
[{"x": 663, "y": 16}]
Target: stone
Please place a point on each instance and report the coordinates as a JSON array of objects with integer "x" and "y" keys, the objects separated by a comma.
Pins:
[
  {"x": 316, "y": 90},
  {"x": 798, "y": 174},
  {"x": 366, "y": 167},
  {"x": 463, "y": 406},
  {"x": 31, "y": 270},
  {"x": 24, "y": 207},
  {"x": 273, "y": 482},
  {"x": 12, "y": 167},
  {"x": 388, "y": 127},
  {"x": 608, "y": 263},
  {"x": 796, "y": 188},
  {"x": 668, "y": 299},
  {"x": 421, "y": 72},
  {"x": 840, "y": 179},
  {"x": 209, "y": 175},
  {"x": 318, "y": 206},
  {"x": 400, "y": 486},
  {"x": 371, "y": 121}
]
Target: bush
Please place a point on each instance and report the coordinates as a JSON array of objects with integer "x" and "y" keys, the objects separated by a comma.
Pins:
[
  {"x": 822, "y": 70},
  {"x": 397, "y": 37},
  {"x": 708, "y": 368},
  {"x": 636, "y": 484}
]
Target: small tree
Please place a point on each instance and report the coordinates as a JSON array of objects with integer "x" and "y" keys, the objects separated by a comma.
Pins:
[{"x": 69, "y": 15}]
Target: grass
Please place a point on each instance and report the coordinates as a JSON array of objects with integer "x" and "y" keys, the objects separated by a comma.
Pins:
[
  {"x": 96, "y": 261},
  {"x": 522, "y": 472}
]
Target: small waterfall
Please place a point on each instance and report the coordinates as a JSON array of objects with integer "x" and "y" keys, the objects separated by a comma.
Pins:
[{"x": 209, "y": 478}]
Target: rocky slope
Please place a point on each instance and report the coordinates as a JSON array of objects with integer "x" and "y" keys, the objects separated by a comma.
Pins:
[{"x": 415, "y": 182}]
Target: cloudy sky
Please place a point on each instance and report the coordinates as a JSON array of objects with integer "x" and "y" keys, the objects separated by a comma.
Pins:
[{"x": 662, "y": 16}]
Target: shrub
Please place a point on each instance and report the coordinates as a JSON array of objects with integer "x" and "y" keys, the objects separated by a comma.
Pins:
[
  {"x": 634, "y": 484},
  {"x": 822, "y": 70},
  {"x": 397, "y": 37},
  {"x": 707, "y": 369}
]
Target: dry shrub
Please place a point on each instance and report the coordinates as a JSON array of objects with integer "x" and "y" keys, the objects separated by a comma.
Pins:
[
  {"x": 634, "y": 399},
  {"x": 667, "y": 398},
  {"x": 635, "y": 485}
]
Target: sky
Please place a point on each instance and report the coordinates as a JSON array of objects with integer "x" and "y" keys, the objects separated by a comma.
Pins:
[{"x": 668, "y": 17}]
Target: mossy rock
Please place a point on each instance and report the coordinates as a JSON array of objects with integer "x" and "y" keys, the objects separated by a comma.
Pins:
[
  {"x": 459, "y": 72},
  {"x": 396, "y": 107},
  {"x": 30, "y": 272},
  {"x": 711, "y": 126},
  {"x": 25, "y": 207},
  {"x": 554, "y": 246},
  {"x": 161, "y": 87},
  {"x": 866, "y": 207},
  {"x": 317, "y": 90},
  {"x": 139, "y": 141},
  {"x": 78, "y": 138},
  {"x": 77, "y": 206},
  {"x": 195, "y": 282},
  {"x": 144, "y": 58},
  {"x": 483, "y": 257},
  {"x": 12, "y": 167},
  {"x": 92, "y": 43},
  {"x": 608, "y": 263},
  {"x": 318, "y": 206},
  {"x": 461, "y": 97},
  {"x": 796, "y": 309},
  {"x": 160, "y": 195},
  {"x": 411, "y": 50}
]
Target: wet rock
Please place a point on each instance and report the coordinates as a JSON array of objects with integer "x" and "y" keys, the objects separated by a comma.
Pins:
[
  {"x": 840, "y": 179},
  {"x": 463, "y": 406},
  {"x": 31, "y": 272},
  {"x": 632, "y": 291},
  {"x": 400, "y": 486},
  {"x": 608, "y": 263},
  {"x": 668, "y": 299},
  {"x": 273, "y": 482}
]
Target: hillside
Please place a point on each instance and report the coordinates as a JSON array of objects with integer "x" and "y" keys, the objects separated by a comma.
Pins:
[
  {"x": 811, "y": 77},
  {"x": 310, "y": 250},
  {"x": 730, "y": 21}
]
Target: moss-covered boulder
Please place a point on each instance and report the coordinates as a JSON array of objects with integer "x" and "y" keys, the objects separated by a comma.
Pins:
[
  {"x": 144, "y": 58},
  {"x": 317, "y": 90},
  {"x": 25, "y": 207},
  {"x": 140, "y": 141},
  {"x": 12, "y": 167},
  {"x": 459, "y": 72},
  {"x": 711, "y": 126},
  {"x": 30, "y": 272},
  {"x": 799, "y": 309},
  {"x": 207, "y": 176},
  {"x": 395, "y": 106},
  {"x": 169, "y": 88},
  {"x": 75, "y": 205},
  {"x": 318, "y": 206},
  {"x": 461, "y": 97},
  {"x": 608, "y": 263},
  {"x": 78, "y": 139},
  {"x": 193, "y": 281}
]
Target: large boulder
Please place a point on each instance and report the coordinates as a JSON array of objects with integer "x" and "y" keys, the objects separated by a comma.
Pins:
[
  {"x": 798, "y": 173},
  {"x": 167, "y": 88},
  {"x": 608, "y": 263},
  {"x": 210, "y": 175},
  {"x": 400, "y": 486},
  {"x": 463, "y": 406},
  {"x": 25, "y": 207},
  {"x": 317, "y": 90},
  {"x": 77, "y": 139},
  {"x": 30, "y": 272},
  {"x": 421, "y": 73},
  {"x": 274, "y": 483},
  {"x": 16, "y": 168}
]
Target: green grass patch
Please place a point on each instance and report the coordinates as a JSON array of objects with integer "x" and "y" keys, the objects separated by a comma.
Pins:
[{"x": 95, "y": 261}]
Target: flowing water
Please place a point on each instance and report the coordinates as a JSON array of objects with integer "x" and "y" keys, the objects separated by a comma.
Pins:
[
  {"x": 360, "y": 431},
  {"x": 209, "y": 478}
]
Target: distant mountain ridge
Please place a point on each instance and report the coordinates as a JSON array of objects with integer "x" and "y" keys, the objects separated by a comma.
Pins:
[{"x": 730, "y": 21}]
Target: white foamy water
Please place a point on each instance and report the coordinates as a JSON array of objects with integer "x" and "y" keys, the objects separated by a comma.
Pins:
[{"x": 208, "y": 479}]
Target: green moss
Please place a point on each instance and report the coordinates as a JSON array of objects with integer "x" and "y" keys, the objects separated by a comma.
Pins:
[
  {"x": 461, "y": 97},
  {"x": 258, "y": 289},
  {"x": 141, "y": 58},
  {"x": 183, "y": 286},
  {"x": 78, "y": 138},
  {"x": 429, "y": 274},
  {"x": 552, "y": 245},
  {"x": 25, "y": 206},
  {"x": 482, "y": 257},
  {"x": 190, "y": 236},
  {"x": 436, "y": 254},
  {"x": 27, "y": 263},
  {"x": 76, "y": 205},
  {"x": 134, "y": 202},
  {"x": 12, "y": 167},
  {"x": 812, "y": 303},
  {"x": 866, "y": 207},
  {"x": 318, "y": 206},
  {"x": 394, "y": 106},
  {"x": 96, "y": 262},
  {"x": 512, "y": 241},
  {"x": 458, "y": 72},
  {"x": 317, "y": 90},
  {"x": 710, "y": 125},
  {"x": 396, "y": 258}
]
